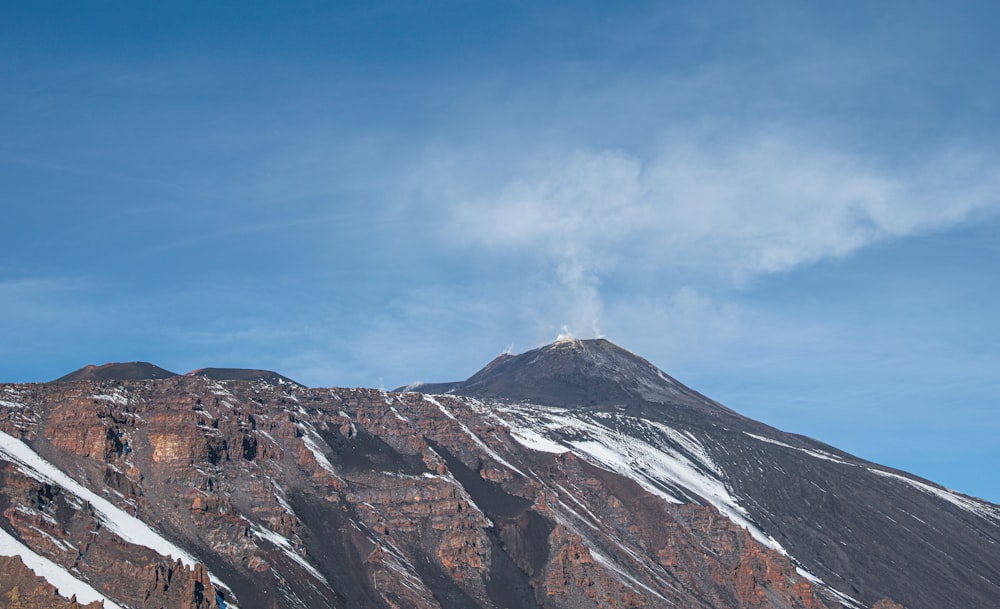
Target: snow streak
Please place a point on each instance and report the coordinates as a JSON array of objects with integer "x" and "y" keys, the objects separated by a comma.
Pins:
[
  {"x": 116, "y": 520},
  {"x": 66, "y": 584}
]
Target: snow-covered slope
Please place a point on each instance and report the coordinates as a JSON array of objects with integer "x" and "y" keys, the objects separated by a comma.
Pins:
[
  {"x": 849, "y": 523},
  {"x": 665, "y": 461},
  {"x": 66, "y": 584}
]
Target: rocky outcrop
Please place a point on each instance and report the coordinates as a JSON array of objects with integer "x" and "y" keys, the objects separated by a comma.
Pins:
[
  {"x": 401, "y": 499},
  {"x": 575, "y": 578},
  {"x": 50, "y": 522}
]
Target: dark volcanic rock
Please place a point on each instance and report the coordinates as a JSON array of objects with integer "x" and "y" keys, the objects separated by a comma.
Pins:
[
  {"x": 869, "y": 531},
  {"x": 243, "y": 374},
  {"x": 591, "y": 374},
  {"x": 116, "y": 371},
  {"x": 574, "y": 476}
]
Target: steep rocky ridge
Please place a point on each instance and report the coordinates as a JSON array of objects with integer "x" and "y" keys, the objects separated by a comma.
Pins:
[
  {"x": 288, "y": 497},
  {"x": 198, "y": 492},
  {"x": 866, "y": 530}
]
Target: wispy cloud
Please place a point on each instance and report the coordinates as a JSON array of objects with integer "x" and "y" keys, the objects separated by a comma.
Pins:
[{"x": 739, "y": 205}]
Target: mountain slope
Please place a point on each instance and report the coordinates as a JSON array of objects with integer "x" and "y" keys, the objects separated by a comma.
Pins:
[
  {"x": 196, "y": 493},
  {"x": 576, "y": 475},
  {"x": 866, "y": 530}
]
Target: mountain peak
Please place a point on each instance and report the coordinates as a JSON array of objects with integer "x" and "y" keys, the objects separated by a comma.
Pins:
[
  {"x": 117, "y": 371},
  {"x": 244, "y": 374},
  {"x": 573, "y": 372}
]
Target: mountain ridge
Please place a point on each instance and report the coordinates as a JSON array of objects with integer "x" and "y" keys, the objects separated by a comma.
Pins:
[
  {"x": 509, "y": 491},
  {"x": 638, "y": 388},
  {"x": 131, "y": 371},
  {"x": 244, "y": 374}
]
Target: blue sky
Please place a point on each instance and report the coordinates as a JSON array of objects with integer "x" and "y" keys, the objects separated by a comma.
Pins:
[{"x": 792, "y": 207}]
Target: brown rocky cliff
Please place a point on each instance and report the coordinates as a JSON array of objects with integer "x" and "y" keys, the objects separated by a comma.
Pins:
[
  {"x": 397, "y": 500},
  {"x": 690, "y": 547}
]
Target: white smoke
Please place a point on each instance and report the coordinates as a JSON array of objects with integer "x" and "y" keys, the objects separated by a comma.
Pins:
[
  {"x": 762, "y": 204},
  {"x": 585, "y": 297}
]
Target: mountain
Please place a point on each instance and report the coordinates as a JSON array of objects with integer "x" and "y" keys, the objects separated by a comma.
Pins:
[
  {"x": 116, "y": 371},
  {"x": 858, "y": 526},
  {"x": 243, "y": 374},
  {"x": 132, "y": 371},
  {"x": 576, "y": 475},
  {"x": 585, "y": 374}
]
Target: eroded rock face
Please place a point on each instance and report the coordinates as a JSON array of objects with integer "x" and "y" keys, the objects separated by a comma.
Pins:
[
  {"x": 296, "y": 497},
  {"x": 50, "y": 522},
  {"x": 283, "y": 496}
]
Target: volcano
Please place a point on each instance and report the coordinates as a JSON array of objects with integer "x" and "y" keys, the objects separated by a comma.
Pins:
[
  {"x": 117, "y": 371},
  {"x": 806, "y": 497},
  {"x": 593, "y": 374},
  {"x": 573, "y": 476}
]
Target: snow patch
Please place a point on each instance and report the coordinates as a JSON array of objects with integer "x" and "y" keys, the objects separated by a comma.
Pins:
[
  {"x": 208, "y": 415},
  {"x": 819, "y": 454},
  {"x": 279, "y": 495},
  {"x": 492, "y": 453},
  {"x": 529, "y": 438},
  {"x": 644, "y": 455},
  {"x": 609, "y": 564},
  {"x": 606, "y": 562},
  {"x": 55, "y": 574},
  {"x": 847, "y": 601},
  {"x": 116, "y": 398},
  {"x": 573, "y": 498},
  {"x": 116, "y": 520},
  {"x": 318, "y": 454},
  {"x": 218, "y": 389},
  {"x": 966, "y": 503},
  {"x": 286, "y": 547}
]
